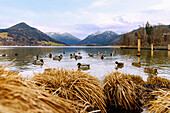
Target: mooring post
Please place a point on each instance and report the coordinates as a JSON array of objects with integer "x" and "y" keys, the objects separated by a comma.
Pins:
[
  {"x": 138, "y": 47},
  {"x": 169, "y": 50},
  {"x": 152, "y": 50},
  {"x": 138, "y": 59},
  {"x": 152, "y": 47}
]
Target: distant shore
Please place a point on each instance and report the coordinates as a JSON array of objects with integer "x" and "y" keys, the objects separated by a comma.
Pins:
[
  {"x": 113, "y": 46},
  {"x": 147, "y": 48}
]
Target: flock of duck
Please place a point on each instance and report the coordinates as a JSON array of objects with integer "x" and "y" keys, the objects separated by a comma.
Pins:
[{"x": 82, "y": 66}]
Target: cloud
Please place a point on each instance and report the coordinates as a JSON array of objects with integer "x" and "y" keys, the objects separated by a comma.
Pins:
[
  {"x": 98, "y": 3},
  {"x": 164, "y": 5}
]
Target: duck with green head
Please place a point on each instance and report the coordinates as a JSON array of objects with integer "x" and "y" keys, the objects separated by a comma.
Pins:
[
  {"x": 38, "y": 62},
  {"x": 83, "y": 66},
  {"x": 58, "y": 57},
  {"x": 119, "y": 64}
]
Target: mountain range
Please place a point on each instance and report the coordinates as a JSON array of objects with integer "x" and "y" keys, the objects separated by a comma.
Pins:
[
  {"x": 100, "y": 38},
  {"x": 64, "y": 37},
  {"x": 23, "y": 34}
]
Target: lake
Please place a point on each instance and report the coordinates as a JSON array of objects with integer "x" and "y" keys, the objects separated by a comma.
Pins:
[{"x": 98, "y": 67}]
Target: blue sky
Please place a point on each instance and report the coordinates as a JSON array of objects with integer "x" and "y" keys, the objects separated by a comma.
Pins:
[{"x": 83, "y": 17}]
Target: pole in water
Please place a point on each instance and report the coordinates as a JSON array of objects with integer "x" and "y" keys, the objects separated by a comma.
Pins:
[
  {"x": 138, "y": 59},
  {"x": 152, "y": 47},
  {"x": 138, "y": 47}
]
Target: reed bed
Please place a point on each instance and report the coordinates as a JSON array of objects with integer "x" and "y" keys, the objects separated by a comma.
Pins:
[
  {"x": 158, "y": 81},
  {"x": 121, "y": 92},
  {"x": 18, "y": 95},
  {"x": 135, "y": 78},
  {"x": 162, "y": 102},
  {"x": 74, "y": 86}
]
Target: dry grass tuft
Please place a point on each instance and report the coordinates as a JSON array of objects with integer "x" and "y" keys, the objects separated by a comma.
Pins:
[
  {"x": 135, "y": 78},
  {"x": 73, "y": 85},
  {"x": 158, "y": 81},
  {"x": 162, "y": 102},
  {"x": 121, "y": 91},
  {"x": 18, "y": 95}
]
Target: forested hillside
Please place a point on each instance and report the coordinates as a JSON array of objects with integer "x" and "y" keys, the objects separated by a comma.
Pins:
[{"x": 158, "y": 35}]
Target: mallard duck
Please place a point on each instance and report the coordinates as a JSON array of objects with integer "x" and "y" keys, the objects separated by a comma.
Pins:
[
  {"x": 119, "y": 64},
  {"x": 4, "y": 55},
  {"x": 49, "y": 55},
  {"x": 78, "y": 57},
  {"x": 99, "y": 53},
  {"x": 83, "y": 66},
  {"x": 58, "y": 57},
  {"x": 91, "y": 55},
  {"x": 16, "y": 54},
  {"x": 150, "y": 70},
  {"x": 38, "y": 62},
  {"x": 64, "y": 52},
  {"x": 35, "y": 57},
  {"x": 102, "y": 57},
  {"x": 113, "y": 53},
  {"x": 138, "y": 64},
  {"x": 72, "y": 55}
]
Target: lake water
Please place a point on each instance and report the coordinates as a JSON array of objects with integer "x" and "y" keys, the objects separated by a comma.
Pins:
[{"x": 98, "y": 67}]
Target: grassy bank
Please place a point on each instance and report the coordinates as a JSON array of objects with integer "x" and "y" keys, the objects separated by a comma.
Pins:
[{"x": 63, "y": 91}]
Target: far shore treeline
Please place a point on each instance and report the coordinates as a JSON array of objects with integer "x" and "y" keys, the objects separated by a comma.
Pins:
[{"x": 23, "y": 35}]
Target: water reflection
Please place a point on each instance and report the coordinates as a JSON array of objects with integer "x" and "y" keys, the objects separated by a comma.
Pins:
[{"x": 98, "y": 67}]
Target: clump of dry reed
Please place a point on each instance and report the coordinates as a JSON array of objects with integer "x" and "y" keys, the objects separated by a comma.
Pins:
[
  {"x": 162, "y": 102},
  {"x": 121, "y": 92},
  {"x": 158, "y": 81},
  {"x": 73, "y": 85},
  {"x": 19, "y": 95},
  {"x": 135, "y": 78}
]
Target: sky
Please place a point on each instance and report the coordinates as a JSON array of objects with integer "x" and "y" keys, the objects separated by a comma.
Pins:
[{"x": 84, "y": 17}]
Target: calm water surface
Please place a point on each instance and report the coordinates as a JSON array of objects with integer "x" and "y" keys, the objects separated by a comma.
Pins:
[{"x": 98, "y": 67}]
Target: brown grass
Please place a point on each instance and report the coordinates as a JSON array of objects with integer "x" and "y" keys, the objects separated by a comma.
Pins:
[
  {"x": 121, "y": 91},
  {"x": 18, "y": 95},
  {"x": 5, "y": 35},
  {"x": 73, "y": 85},
  {"x": 162, "y": 102},
  {"x": 158, "y": 80}
]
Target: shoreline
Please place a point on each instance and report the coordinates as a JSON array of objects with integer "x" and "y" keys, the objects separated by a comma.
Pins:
[{"x": 146, "y": 48}]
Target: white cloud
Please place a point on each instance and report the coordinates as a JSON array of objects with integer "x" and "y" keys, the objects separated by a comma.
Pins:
[
  {"x": 98, "y": 3},
  {"x": 164, "y": 5}
]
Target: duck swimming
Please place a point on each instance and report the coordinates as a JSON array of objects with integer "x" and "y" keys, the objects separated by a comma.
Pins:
[
  {"x": 119, "y": 64},
  {"x": 38, "y": 62},
  {"x": 78, "y": 57},
  {"x": 79, "y": 53},
  {"x": 83, "y": 66},
  {"x": 91, "y": 55},
  {"x": 150, "y": 70},
  {"x": 58, "y": 57},
  {"x": 72, "y": 55},
  {"x": 102, "y": 57},
  {"x": 49, "y": 55},
  {"x": 4, "y": 55},
  {"x": 113, "y": 53},
  {"x": 137, "y": 64},
  {"x": 35, "y": 57}
]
